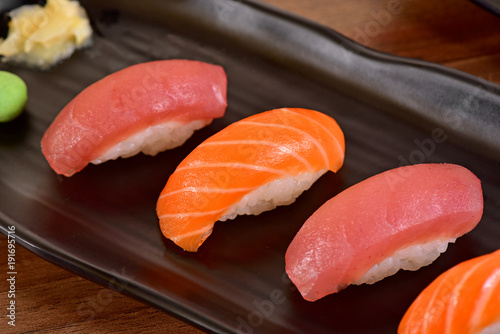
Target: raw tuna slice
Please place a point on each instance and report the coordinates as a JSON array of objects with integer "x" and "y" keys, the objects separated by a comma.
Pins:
[
  {"x": 402, "y": 218},
  {"x": 149, "y": 107}
]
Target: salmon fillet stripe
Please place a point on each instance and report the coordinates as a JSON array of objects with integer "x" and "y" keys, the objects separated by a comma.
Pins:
[
  {"x": 464, "y": 299},
  {"x": 452, "y": 305},
  {"x": 487, "y": 294},
  {"x": 340, "y": 147},
  {"x": 201, "y": 231},
  {"x": 263, "y": 143},
  {"x": 233, "y": 171},
  {"x": 192, "y": 214},
  {"x": 208, "y": 190},
  {"x": 305, "y": 134},
  {"x": 236, "y": 165}
]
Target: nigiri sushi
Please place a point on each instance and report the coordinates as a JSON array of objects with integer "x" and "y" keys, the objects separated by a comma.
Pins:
[
  {"x": 403, "y": 218},
  {"x": 148, "y": 107},
  {"x": 463, "y": 300},
  {"x": 251, "y": 166}
]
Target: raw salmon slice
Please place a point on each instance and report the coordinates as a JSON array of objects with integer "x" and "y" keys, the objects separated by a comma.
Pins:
[
  {"x": 463, "y": 300},
  {"x": 251, "y": 166}
]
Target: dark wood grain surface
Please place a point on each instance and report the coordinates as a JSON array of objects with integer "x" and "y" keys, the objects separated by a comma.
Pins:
[{"x": 458, "y": 34}]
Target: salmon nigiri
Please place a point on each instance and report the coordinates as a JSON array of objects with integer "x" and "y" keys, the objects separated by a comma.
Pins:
[
  {"x": 148, "y": 107},
  {"x": 403, "y": 218},
  {"x": 251, "y": 166},
  {"x": 463, "y": 300}
]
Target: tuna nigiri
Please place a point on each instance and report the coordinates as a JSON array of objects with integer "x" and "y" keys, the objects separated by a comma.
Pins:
[
  {"x": 148, "y": 107},
  {"x": 403, "y": 218},
  {"x": 249, "y": 167},
  {"x": 463, "y": 300}
]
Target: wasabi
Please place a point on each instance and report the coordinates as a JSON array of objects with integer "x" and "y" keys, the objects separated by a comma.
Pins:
[{"x": 13, "y": 96}]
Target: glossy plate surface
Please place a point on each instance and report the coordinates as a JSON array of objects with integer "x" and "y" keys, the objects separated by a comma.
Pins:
[
  {"x": 101, "y": 223},
  {"x": 491, "y": 5}
]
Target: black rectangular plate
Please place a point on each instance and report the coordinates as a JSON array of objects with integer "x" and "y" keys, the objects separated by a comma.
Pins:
[
  {"x": 490, "y": 5},
  {"x": 101, "y": 223}
]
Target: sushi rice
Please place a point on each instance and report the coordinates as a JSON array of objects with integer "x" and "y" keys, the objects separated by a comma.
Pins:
[
  {"x": 282, "y": 191},
  {"x": 153, "y": 140},
  {"x": 410, "y": 258},
  {"x": 492, "y": 329}
]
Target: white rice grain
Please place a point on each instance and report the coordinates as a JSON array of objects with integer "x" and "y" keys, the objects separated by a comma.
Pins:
[
  {"x": 153, "y": 140},
  {"x": 491, "y": 329},
  {"x": 410, "y": 258},
  {"x": 283, "y": 191}
]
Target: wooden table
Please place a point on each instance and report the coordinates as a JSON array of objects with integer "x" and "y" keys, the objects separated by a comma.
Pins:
[{"x": 457, "y": 34}]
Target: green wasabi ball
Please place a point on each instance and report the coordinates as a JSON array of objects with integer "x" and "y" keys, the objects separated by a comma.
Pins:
[{"x": 13, "y": 96}]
